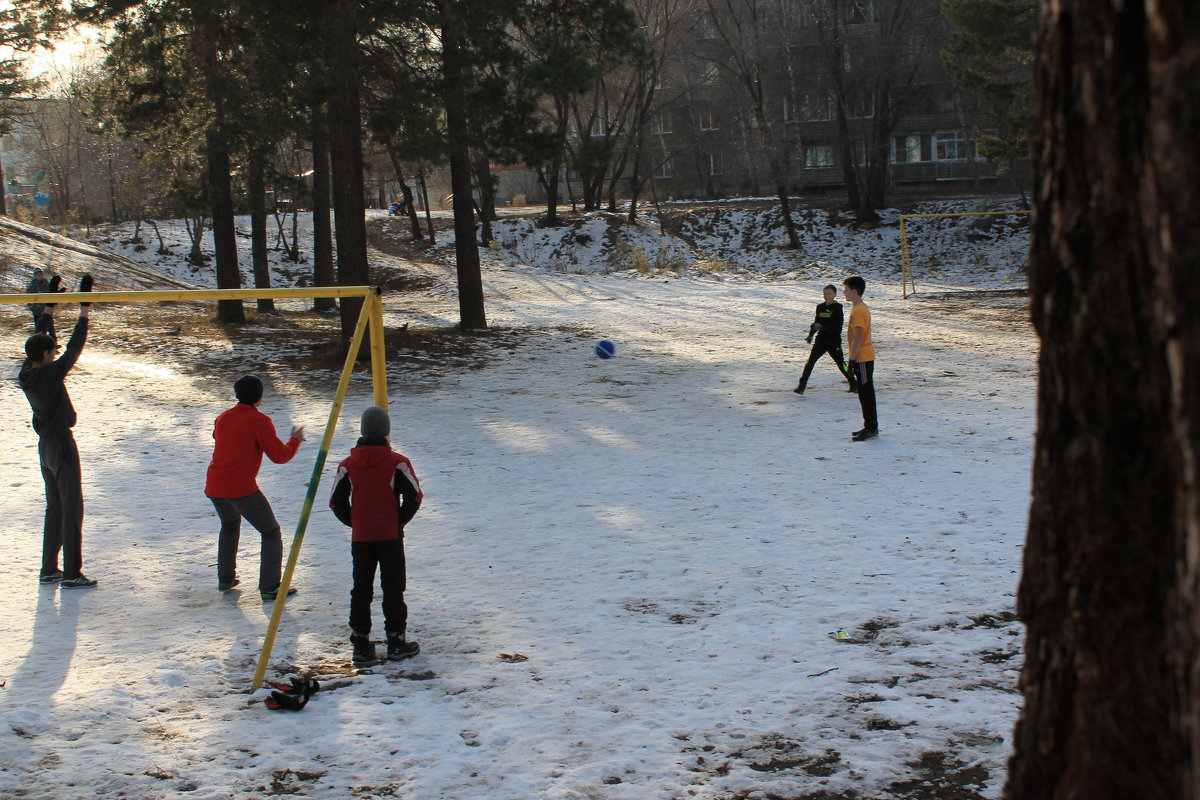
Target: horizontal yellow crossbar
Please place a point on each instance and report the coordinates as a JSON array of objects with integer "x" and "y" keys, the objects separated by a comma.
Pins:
[
  {"x": 963, "y": 214},
  {"x": 187, "y": 295}
]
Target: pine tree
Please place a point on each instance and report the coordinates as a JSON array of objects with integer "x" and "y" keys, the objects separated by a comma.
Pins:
[{"x": 991, "y": 54}]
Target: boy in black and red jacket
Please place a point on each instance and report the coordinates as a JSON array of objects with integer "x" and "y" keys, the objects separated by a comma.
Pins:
[{"x": 376, "y": 493}]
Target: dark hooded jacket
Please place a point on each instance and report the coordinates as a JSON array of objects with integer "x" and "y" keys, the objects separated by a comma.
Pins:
[{"x": 53, "y": 413}]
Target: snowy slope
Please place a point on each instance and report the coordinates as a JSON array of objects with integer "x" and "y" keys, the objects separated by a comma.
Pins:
[{"x": 669, "y": 536}]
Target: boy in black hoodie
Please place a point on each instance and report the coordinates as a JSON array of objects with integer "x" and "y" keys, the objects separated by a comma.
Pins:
[
  {"x": 827, "y": 327},
  {"x": 42, "y": 379},
  {"x": 376, "y": 493}
]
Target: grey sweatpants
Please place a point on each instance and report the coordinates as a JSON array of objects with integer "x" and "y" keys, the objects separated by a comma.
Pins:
[
  {"x": 63, "y": 529},
  {"x": 257, "y": 511}
]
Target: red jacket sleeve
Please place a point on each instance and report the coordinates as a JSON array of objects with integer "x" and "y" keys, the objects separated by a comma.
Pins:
[{"x": 275, "y": 449}]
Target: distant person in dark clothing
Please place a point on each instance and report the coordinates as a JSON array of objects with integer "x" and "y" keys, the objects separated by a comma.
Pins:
[
  {"x": 42, "y": 379},
  {"x": 38, "y": 284},
  {"x": 376, "y": 493},
  {"x": 827, "y": 328}
]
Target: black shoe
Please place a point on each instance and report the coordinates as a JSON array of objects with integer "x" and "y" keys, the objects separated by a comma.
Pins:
[
  {"x": 853, "y": 388},
  {"x": 364, "y": 648},
  {"x": 51, "y": 577},
  {"x": 398, "y": 648},
  {"x": 80, "y": 581},
  {"x": 863, "y": 435},
  {"x": 799, "y": 390}
]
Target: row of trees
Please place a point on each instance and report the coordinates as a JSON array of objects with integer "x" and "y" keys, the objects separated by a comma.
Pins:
[
  {"x": 214, "y": 94},
  {"x": 216, "y": 99}
]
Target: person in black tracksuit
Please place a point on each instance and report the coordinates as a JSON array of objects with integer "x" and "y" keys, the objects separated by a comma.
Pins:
[
  {"x": 41, "y": 378},
  {"x": 827, "y": 327}
]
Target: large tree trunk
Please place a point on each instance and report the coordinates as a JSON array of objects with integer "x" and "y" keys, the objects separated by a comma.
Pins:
[
  {"x": 425, "y": 202},
  {"x": 346, "y": 157},
  {"x": 466, "y": 251},
  {"x": 220, "y": 196},
  {"x": 410, "y": 205},
  {"x": 217, "y": 169},
  {"x": 1111, "y": 580},
  {"x": 486, "y": 181},
  {"x": 323, "y": 274},
  {"x": 256, "y": 186}
]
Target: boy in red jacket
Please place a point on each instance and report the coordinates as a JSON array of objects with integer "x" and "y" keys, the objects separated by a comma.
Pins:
[
  {"x": 376, "y": 493},
  {"x": 243, "y": 434}
]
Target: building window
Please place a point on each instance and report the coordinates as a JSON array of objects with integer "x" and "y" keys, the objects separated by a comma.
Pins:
[
  {"x": 818, "y": 153},
  {"x": 790, "y": 110},
  {"x": 817, "y": 106},
  {"x": 662, "y": 166},
  {"x": 949, "y": 146},
  {"x": 860, "y": 106},
  {"x": 858, "y": 147},
  {"x": 855, "y": 11},
  {"x": 708, "y": 120},
  {"x": 712, "y": 74},
  {"x": 911, "y": 149},
  {"x": 713, "y": 161},
  {"x": 660, "y": 124}
]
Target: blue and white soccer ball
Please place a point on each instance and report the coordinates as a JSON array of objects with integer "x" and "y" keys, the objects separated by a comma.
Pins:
[{"x": 605, "y": 349}]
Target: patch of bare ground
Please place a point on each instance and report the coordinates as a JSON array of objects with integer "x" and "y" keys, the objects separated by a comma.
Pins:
[
  {"x": 934, "y": 775},
  {"x": 1000, "y": 308}
]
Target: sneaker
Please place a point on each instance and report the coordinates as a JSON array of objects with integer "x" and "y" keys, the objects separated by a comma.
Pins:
[
  {"x": 863, "y": 435},
  {"x": 225, "y": 586},
  {"x": 80, "y": 581},
  {"x": 271, "y": 595},
  {"x": 364, "y": 648},
  {"x": 398, "y": 648},
  {"x": 53, "y": 577}
]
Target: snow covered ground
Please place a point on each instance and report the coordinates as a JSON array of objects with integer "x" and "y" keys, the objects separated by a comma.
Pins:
[{"x": 669, "y": 536}]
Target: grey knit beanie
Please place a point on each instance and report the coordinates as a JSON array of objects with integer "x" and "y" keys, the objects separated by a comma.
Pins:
[{"x": 375, "y": 423}]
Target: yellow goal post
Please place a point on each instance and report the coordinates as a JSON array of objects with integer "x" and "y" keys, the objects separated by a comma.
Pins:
[
  {"x": 906, "y": 271},
  {"x": 371, "y": 316}
]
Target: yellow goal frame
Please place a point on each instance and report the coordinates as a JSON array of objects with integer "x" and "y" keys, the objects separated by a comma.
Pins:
[
  {"x": 906, "y": 272},
  {"x": 371, "y": 316}
]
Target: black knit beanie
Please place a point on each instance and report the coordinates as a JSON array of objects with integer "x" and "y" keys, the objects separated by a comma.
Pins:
[{"x": 248, "y": 389}]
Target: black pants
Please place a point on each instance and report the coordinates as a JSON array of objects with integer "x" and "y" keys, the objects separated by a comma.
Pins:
[
  {"x": 63, "y": 529},
  {"x": 389, "y": 556},
  {"x": 819, "y": 349},
  {"x": 866, "y": 393}
]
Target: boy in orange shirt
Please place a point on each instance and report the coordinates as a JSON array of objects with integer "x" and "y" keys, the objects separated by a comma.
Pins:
[{"x": 862, "y": 356}]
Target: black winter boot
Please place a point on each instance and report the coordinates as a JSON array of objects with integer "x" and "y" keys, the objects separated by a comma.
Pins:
[
  {"x": 364, "y": 648},
  {"x": 398, "y": 648}
]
